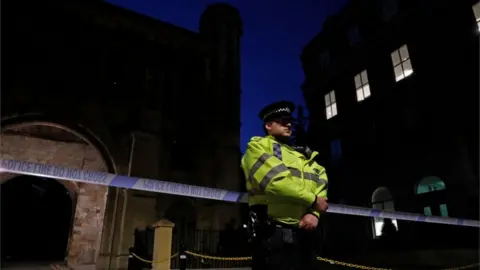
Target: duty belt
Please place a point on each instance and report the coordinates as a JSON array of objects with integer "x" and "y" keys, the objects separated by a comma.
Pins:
[{"x": 258, "y": 220}]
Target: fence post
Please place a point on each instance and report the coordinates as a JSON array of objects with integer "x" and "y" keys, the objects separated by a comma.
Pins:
[
  {"x": 183, "y": 258},
  {"x": 132, "y": 261},
  {"x": 162, "y": 244}
]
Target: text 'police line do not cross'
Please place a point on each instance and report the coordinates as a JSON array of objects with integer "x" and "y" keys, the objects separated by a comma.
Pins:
[{"x": 122, "y": 181}]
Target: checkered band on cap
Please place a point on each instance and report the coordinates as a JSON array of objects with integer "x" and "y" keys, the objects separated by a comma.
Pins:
[{"x": 287, "y": 110}]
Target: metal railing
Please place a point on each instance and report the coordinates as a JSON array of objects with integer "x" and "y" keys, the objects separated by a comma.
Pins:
[
  {"x": 221, "y": 243},
  {"x": 215, "y": 249},
  {"x": 185, "y": 256}
]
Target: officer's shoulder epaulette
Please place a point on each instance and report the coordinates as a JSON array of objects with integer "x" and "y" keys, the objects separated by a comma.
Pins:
[{"x": 256, "y": 138}]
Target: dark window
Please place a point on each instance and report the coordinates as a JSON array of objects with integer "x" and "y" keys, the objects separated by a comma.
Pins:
[
  {"x": 389, "y": 9},
  {"x": 182, "y": 156},
  {"x": 335, "y": 150},
  {"x": 324, "y": 59},
  {"x": 354, "y": 35}
]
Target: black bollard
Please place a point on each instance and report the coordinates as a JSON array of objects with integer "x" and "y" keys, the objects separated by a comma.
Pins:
[{"x": 183, "y": 258}]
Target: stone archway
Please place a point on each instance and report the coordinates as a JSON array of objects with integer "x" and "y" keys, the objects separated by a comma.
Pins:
[
  {"x": 36, "y": 218},
  {"x": 50, "y": 143}
]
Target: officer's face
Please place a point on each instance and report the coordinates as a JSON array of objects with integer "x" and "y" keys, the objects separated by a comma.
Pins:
[{"x": 279, "y": 127}]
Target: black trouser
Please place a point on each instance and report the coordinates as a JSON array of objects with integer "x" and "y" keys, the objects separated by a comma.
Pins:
[{"x": 283, "y": 248}]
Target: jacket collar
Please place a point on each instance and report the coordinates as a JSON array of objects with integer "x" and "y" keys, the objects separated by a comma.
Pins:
[
  {"x": 314, "y": 153},
  {"x": 275, "y": 140}
]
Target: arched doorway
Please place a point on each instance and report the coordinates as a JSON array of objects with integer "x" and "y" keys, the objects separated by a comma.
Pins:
[
  {"x": 431, "y": 192},
  {"x": 36, "y": 216},
  {"x": 382, "y": 199},
  {"x": 51, "y": 143}
]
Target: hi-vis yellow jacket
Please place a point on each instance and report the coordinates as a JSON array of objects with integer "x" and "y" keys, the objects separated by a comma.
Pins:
[{"x": 283, "y": 179}]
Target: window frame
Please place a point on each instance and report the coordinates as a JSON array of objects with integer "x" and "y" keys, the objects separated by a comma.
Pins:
[
  {"x": 354, "y": 36},
  {"x": 361, "y": 86},
  {"x": 475, "y": 9},
  {"x": 331, "y": 109},
  {"x": 432, "y": 185},
  {"x": 336, "y": 147},
  {"x": 401, "y": 62},
  {"x": 387, "y": 203},
  {"x": 324, "y": 59}
]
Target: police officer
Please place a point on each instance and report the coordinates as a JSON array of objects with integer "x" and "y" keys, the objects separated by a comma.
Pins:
[{"x": 287, "y": 192}]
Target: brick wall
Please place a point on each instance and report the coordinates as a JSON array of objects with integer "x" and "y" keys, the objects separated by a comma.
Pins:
[{"x": 84, "y": 242}]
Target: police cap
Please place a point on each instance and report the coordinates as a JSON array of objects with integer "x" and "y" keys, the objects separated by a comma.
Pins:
[{"x": 280, "y": 109}]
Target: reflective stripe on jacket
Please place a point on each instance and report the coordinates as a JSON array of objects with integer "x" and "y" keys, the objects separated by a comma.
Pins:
[{"x": 283, "y": 179}]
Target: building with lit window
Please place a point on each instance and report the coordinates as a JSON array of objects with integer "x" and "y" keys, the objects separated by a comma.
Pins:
[{"x": 392, "y": 91}]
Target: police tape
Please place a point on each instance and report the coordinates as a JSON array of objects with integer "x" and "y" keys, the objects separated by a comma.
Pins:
[{"x": 122, "y": 181}]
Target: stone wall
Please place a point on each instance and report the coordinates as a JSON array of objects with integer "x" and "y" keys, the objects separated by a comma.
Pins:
[
  {"x": 103, "y": 230},
  {"x": 84, "y": 242}
]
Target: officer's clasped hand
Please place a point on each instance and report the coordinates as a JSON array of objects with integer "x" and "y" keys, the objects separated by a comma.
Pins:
[
  {"x": 309, "y": 222},
  {"x": 321, "y": 204}
]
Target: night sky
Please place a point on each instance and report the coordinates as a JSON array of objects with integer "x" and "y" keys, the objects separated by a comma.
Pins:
[{"x": 274, "y": 35}]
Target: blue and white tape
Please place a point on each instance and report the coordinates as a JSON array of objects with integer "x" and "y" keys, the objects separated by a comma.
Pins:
[{"x": 122, "y": 181}]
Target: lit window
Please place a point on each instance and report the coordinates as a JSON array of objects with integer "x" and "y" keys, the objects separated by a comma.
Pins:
[
  {"x": 476, "y": 12},
  {"x": 362, "y": 86},
  {"x": 330, "y": 104},
  {"x": 443, "y": 210},
  {"x": 379, "y": 226},
  {"x": 432, "y": 184},
  {"x": 382, "y": 200},
  {"x": 354, "y": 35},
  {"x": 401, "y": 63}
]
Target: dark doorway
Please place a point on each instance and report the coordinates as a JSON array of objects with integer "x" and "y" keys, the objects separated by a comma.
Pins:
[{"x": 36, "y": 218}]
